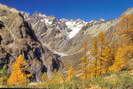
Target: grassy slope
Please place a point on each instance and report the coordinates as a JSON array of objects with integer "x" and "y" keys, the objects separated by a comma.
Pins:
[{"x": 119, "y": 80}]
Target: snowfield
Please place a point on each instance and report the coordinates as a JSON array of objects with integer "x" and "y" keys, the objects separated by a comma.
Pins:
[{"x": 75, "y": 27}]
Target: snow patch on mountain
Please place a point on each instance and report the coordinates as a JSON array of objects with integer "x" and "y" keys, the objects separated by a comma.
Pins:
[
  {"x": 75, "y": 27},
  {"x": 47, "y": 21}
]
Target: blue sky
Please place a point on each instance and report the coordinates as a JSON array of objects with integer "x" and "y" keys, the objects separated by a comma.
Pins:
[{"x": 73, "y": 9}]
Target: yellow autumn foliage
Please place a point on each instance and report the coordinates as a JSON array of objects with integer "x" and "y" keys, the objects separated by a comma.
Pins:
[
  {"x": 125, "y": 29},
  {"x": 17, "y": 76},
  {"x": 120, "y": 58},
  {"x": 70, "y": 72},
  {"x": 105, "y": 60},
  {"x": 102, "y": 53}
]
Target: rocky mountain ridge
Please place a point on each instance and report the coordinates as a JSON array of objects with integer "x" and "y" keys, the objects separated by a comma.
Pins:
[{"x": 61, "y": 35}]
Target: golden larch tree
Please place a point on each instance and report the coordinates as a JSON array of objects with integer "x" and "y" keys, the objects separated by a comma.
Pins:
[
  {"x": 17, "y": 75},
  {"x": 121, "y": 58}
]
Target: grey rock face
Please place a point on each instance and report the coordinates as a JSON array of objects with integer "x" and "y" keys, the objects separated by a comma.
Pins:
[
  {"x": 49, "y": 30},
  {"x": 17, "y": 37},
  {"x": 53, "y": 32}
]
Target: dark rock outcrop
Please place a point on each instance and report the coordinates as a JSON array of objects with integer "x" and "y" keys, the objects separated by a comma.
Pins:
[{"x": 17, "y": 37}]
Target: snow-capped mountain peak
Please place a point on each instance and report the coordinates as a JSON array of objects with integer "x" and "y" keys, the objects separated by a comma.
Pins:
[{"x": 69, "y": 28}]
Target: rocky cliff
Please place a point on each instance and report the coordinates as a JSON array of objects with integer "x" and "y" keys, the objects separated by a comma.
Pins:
[{"x": 17, "y": 37}]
